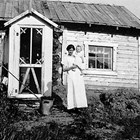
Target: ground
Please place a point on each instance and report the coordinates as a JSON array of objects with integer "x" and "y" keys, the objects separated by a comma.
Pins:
[{"x": 111, "y": 115}]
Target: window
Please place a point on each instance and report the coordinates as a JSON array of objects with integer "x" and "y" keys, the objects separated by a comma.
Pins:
[{"x": 100, "y": 58}]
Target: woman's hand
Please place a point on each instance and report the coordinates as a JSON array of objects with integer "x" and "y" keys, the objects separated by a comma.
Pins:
[{"x": 70, "y": 68}]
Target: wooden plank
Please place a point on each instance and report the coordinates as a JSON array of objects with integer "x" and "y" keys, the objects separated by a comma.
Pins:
[
  {"x": 139, "y": 63},
  {"x": 133, "y": 21},
  {"x": 110, "y": 14},
  {"x": 115, "y": 83},
  {"x": 132, "y": 15},
  {"x": 8, "y": 11},
  {"x": 24, "y": 80},
  {"x": 38, "y": 6},
  {"x": 61, "y": 11},
  {"x": 46, "y": 10},
  {"x": 124, "y": 17},
  {"x": 64, "y": 11},
  {"x": 1, "y": 9},
  {"x": 114, "y": 14},
  {"x": 15, "y": 10},
  {"x": 103, "y": 15},
  {"x": 129, "y": 52},
  {"x": 21, "y": 6},
  {"x": 77, "y": 13},
  {"x": 97, "y": 14},
  {"x": 26, "y": 5},
  {"x": 120, "y": 75},
  {"x": 58, "y": 11},
  {"x": 91, "y": 13},
  {"x": 74, "y": 14},
  {"x": 36, "y": 81},
  {"x": 80, "y": 8},
  {"x": 111, "y": 80},
  {"x": 52, "y": 11},
  {"x": 120, "y": 17},
  {"x": 32, "y": 5}
]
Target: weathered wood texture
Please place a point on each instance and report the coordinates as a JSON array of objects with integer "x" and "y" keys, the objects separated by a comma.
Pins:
[
  {"x": 72, "y": 12},
  {"x": 126, "y": 60},
  {"x": 1, "y": 57}
]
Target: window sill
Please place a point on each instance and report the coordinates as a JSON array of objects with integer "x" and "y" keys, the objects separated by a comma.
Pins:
[{"x": 99, "y": 72}]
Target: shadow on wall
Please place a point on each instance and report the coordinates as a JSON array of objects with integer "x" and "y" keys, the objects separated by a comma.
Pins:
[{"x": 48, "y": 93}]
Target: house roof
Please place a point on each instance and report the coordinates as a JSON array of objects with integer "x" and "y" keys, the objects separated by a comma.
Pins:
[
  {"x": 72, "y": 12},
  {"x": 31, "y": 12}
]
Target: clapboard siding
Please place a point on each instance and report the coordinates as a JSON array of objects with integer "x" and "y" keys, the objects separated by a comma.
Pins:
[{"x": 126, "y": 59}]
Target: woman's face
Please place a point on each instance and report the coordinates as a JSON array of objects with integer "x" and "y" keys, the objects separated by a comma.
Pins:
[{"x": 70, "y": 51}]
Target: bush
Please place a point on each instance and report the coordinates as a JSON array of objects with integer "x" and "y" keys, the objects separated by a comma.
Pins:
[{"x": 123, "y": 108}]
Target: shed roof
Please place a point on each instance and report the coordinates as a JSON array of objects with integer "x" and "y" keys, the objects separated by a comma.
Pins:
[{"x": 72, "y": 12}]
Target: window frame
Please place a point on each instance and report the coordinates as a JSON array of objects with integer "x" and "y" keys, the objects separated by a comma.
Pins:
[{"x": 96, "y": 71}]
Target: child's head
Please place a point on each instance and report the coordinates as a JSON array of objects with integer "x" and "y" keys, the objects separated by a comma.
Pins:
[{"x": 78, "y": 48}]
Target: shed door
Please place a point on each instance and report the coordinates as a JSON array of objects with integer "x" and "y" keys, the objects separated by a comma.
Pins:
[{"x": 30, "y": 60}]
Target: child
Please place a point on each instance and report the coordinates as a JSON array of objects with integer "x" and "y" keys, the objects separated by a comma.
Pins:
[{"x": 79, "y": 53}]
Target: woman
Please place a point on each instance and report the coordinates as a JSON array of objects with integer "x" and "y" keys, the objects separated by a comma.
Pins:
[{"x": 76, "y": 95}]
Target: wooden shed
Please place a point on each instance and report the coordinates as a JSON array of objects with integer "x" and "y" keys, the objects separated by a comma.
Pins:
[{"x": 108, "y": 34}]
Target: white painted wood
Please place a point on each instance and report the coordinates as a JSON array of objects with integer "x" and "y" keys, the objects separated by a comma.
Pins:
[
  {"x": 27, "y": 96},
  {"x": 13, "y": 83},
  {"x": 35, "y": 79},
  {"x": 99, "y": 72},
  {"x": 1, "y": 52},
  {"x": 47, "y": 65}
]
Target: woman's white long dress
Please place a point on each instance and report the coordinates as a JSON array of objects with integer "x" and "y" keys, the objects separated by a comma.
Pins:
[{"x": 76, "y": 95}]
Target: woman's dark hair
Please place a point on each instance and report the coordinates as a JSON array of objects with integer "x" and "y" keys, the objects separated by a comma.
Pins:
[{"x": 69, "y": 47}]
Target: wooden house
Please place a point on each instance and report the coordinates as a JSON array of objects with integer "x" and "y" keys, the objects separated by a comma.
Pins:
[{"x": 108, "y": 34}]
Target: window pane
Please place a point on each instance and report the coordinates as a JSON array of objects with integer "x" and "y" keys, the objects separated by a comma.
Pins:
[
  {"x": 107, "y": 64},
  {"x": 99, "y": 50},
  {"x": 108, "y": 52},
  {"x": 36, "y": 45},
  {"x": 92, "y": 49},
  {"x": 92, "y": 63},
  {"x": 25, "y": 45},
  {"x": 100, "y": 63}
]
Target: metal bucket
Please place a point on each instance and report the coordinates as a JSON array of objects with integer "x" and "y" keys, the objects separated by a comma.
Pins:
[{"x": 46, "y": 105}]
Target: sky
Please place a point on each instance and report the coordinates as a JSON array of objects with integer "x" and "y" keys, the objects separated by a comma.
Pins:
[{"x": 131, "y": 5}]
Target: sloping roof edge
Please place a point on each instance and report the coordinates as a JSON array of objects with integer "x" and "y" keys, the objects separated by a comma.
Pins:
[{"x": 32, "y": 11}]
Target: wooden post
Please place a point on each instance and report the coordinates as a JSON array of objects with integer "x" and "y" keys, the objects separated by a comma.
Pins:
[
  {"x": 1, "y": 52},
  {"x": 139, "y": 63},
  {"x": 64, "y": 45}
]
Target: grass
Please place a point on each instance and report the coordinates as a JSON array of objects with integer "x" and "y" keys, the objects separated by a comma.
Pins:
[{"x": 113, "y": 115}]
